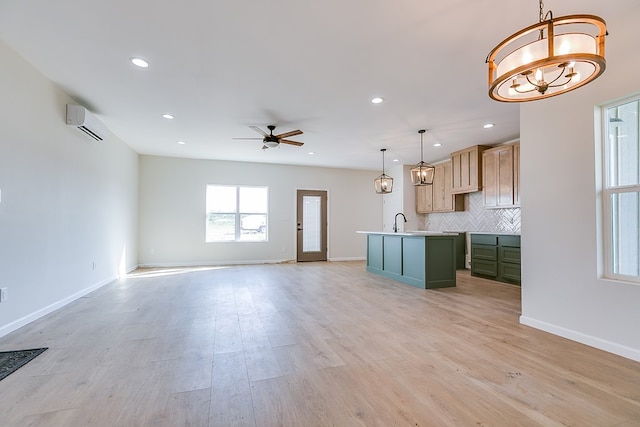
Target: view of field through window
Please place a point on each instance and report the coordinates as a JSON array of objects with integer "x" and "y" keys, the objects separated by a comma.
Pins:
[{"x": 236, "y": 213}]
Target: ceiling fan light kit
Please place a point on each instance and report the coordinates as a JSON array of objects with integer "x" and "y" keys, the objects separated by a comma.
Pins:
[
  {"x": 384, "y": 183},
  {"x": 269, "y": 140},
  {"x": 422, "y": 173},
  {"x": 567, "y": 53}
]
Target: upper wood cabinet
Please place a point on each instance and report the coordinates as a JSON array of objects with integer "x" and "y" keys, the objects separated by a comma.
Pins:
[
  {"x": 438, "y": 197},
  {"x": 467, "y": 169},
  {"x": 424, "y": 198},
  {"x": 501, "y": 176}
]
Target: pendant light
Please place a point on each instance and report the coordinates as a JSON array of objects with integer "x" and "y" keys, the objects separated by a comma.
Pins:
[
  {"x": 384, "y": 183},
  {"x": 568, "y": 53},
  {"x": 422, "y": 173}
]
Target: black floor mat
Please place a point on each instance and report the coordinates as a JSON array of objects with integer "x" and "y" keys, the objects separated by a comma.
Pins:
[{"x": 11, "y": 361}]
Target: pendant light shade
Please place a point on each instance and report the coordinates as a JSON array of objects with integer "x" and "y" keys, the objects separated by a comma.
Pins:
[
  {"x": 549, "y": 58},
  {"x": 422, "y": 173},
  {"x": 384, "y": 183}
]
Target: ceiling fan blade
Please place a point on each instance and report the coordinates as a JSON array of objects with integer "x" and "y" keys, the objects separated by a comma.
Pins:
[
  {"x": 288, "y": 134},
  {"x": 286, "y": 141},
  {"x": 248, "y": 138},
  {"x": 260, "y": 131}
]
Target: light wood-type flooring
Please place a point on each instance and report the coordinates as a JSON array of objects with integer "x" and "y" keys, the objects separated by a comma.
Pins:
[{"x": 308, "y": 344}]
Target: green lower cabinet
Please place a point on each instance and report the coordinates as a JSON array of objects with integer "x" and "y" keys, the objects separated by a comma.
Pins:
[
  {"x": 392, "y": 255},
  {"x": 509, "y": 254},
  {"x": 422, "y": 261},
  {"x": 484, "y": 252},
  {"x": 441, "y": 262},
  {"x": 496, "y": 257},
  {"x": 374, "y": 252},
  {"x": 461, "y": 249},
  {"x": 484, "y": 268},
  {"x": 510, "y": 272},
  {"x": 413, "y": 261}
]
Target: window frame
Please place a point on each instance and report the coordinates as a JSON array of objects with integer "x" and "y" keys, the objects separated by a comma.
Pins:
[
  {"x": 609, "y": 190},
  {"x": 238, "y": 215}
]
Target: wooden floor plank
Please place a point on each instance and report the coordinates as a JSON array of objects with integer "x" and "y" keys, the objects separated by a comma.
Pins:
[
  {"x": 231, "y": 403},
  {"x": 190, "y": 408},
  {"x": 313, "y": 344}
]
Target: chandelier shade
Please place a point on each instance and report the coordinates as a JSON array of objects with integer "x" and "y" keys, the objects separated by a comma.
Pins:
[
  {"x": 549, "y": 58},
  {"x": 422, "y": 173},
  {"x": 384, "y": 183}
]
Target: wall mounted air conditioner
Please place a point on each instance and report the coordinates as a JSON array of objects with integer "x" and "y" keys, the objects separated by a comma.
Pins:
[{"x": 85, "y": 122}]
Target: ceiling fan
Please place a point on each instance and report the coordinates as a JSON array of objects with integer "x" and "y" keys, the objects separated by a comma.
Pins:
[{"x": 271, "y": 141}]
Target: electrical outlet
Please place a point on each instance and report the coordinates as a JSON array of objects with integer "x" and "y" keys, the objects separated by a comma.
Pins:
[{"x": 3, "y": 294}]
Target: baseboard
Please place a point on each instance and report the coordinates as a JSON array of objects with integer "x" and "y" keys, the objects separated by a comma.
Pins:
[
  {"x": 246, "y": 262},
  {"x": 608, "y": 346},
  {"x": 212, "y": 263},
  {"x": 17, "y": 324}
]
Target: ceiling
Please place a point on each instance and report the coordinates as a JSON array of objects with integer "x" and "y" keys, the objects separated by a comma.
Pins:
[{"x": 221, "y": 66}]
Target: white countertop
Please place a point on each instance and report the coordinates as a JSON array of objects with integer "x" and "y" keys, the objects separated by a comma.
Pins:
[{"x": 411, "y": 233}]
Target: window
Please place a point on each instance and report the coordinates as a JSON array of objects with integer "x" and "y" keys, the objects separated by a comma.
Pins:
[
  {"x": 236, "y": 213},
  {"x": 621, "y": 190}
]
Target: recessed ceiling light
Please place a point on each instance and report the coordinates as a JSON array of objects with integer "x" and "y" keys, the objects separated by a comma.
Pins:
[
  {"x": 311, "y": 153},
  {"x": 167, "y": 116},
  {"x": 396, "y": 160},
  {"x": 181, "y": 142},
  {"x": 488, "y": 125},
  {"x": 437, "y": 144},
  {"x": 377, "y": 100},
  {"x": 139, "y": 62}
]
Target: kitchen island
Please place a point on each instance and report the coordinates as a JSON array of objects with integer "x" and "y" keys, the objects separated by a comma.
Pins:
[{"x": 419, "y": 258}]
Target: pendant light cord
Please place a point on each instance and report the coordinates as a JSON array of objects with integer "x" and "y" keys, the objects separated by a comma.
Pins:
[
  {"x": 421, "y": 147},
  {"x": 541, "y": 11},
  {"x": 543, "y": 17}
]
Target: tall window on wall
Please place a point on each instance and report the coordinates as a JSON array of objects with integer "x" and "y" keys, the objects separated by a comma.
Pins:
[
  {"x": 237, "y": 213},
  {"x": 621, "y": 190}
]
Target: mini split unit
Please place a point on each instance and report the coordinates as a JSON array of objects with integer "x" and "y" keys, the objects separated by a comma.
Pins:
[{"x": 85, "y": 122}]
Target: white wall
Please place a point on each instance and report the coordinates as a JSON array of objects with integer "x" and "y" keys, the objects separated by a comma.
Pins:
[
  {"x": 393, "y": 202},
  {"x": 67, "y": 202},
  {"x": 401, "y": 200},
  {"x": 172, "y": 210},
  {"x": 561, "y": 289},
  {"x": 415, "y": 221}
]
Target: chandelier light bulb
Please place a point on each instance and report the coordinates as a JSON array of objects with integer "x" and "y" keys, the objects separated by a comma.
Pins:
[
  {"x": 512, "y": 88},
  {"x": 575, "y": 77}
]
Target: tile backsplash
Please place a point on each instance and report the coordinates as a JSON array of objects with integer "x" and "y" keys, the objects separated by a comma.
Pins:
[{"x": 474, "y": 218}]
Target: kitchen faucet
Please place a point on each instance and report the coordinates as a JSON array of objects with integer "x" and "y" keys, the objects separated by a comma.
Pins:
[{"x": 395, "y": 221}]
